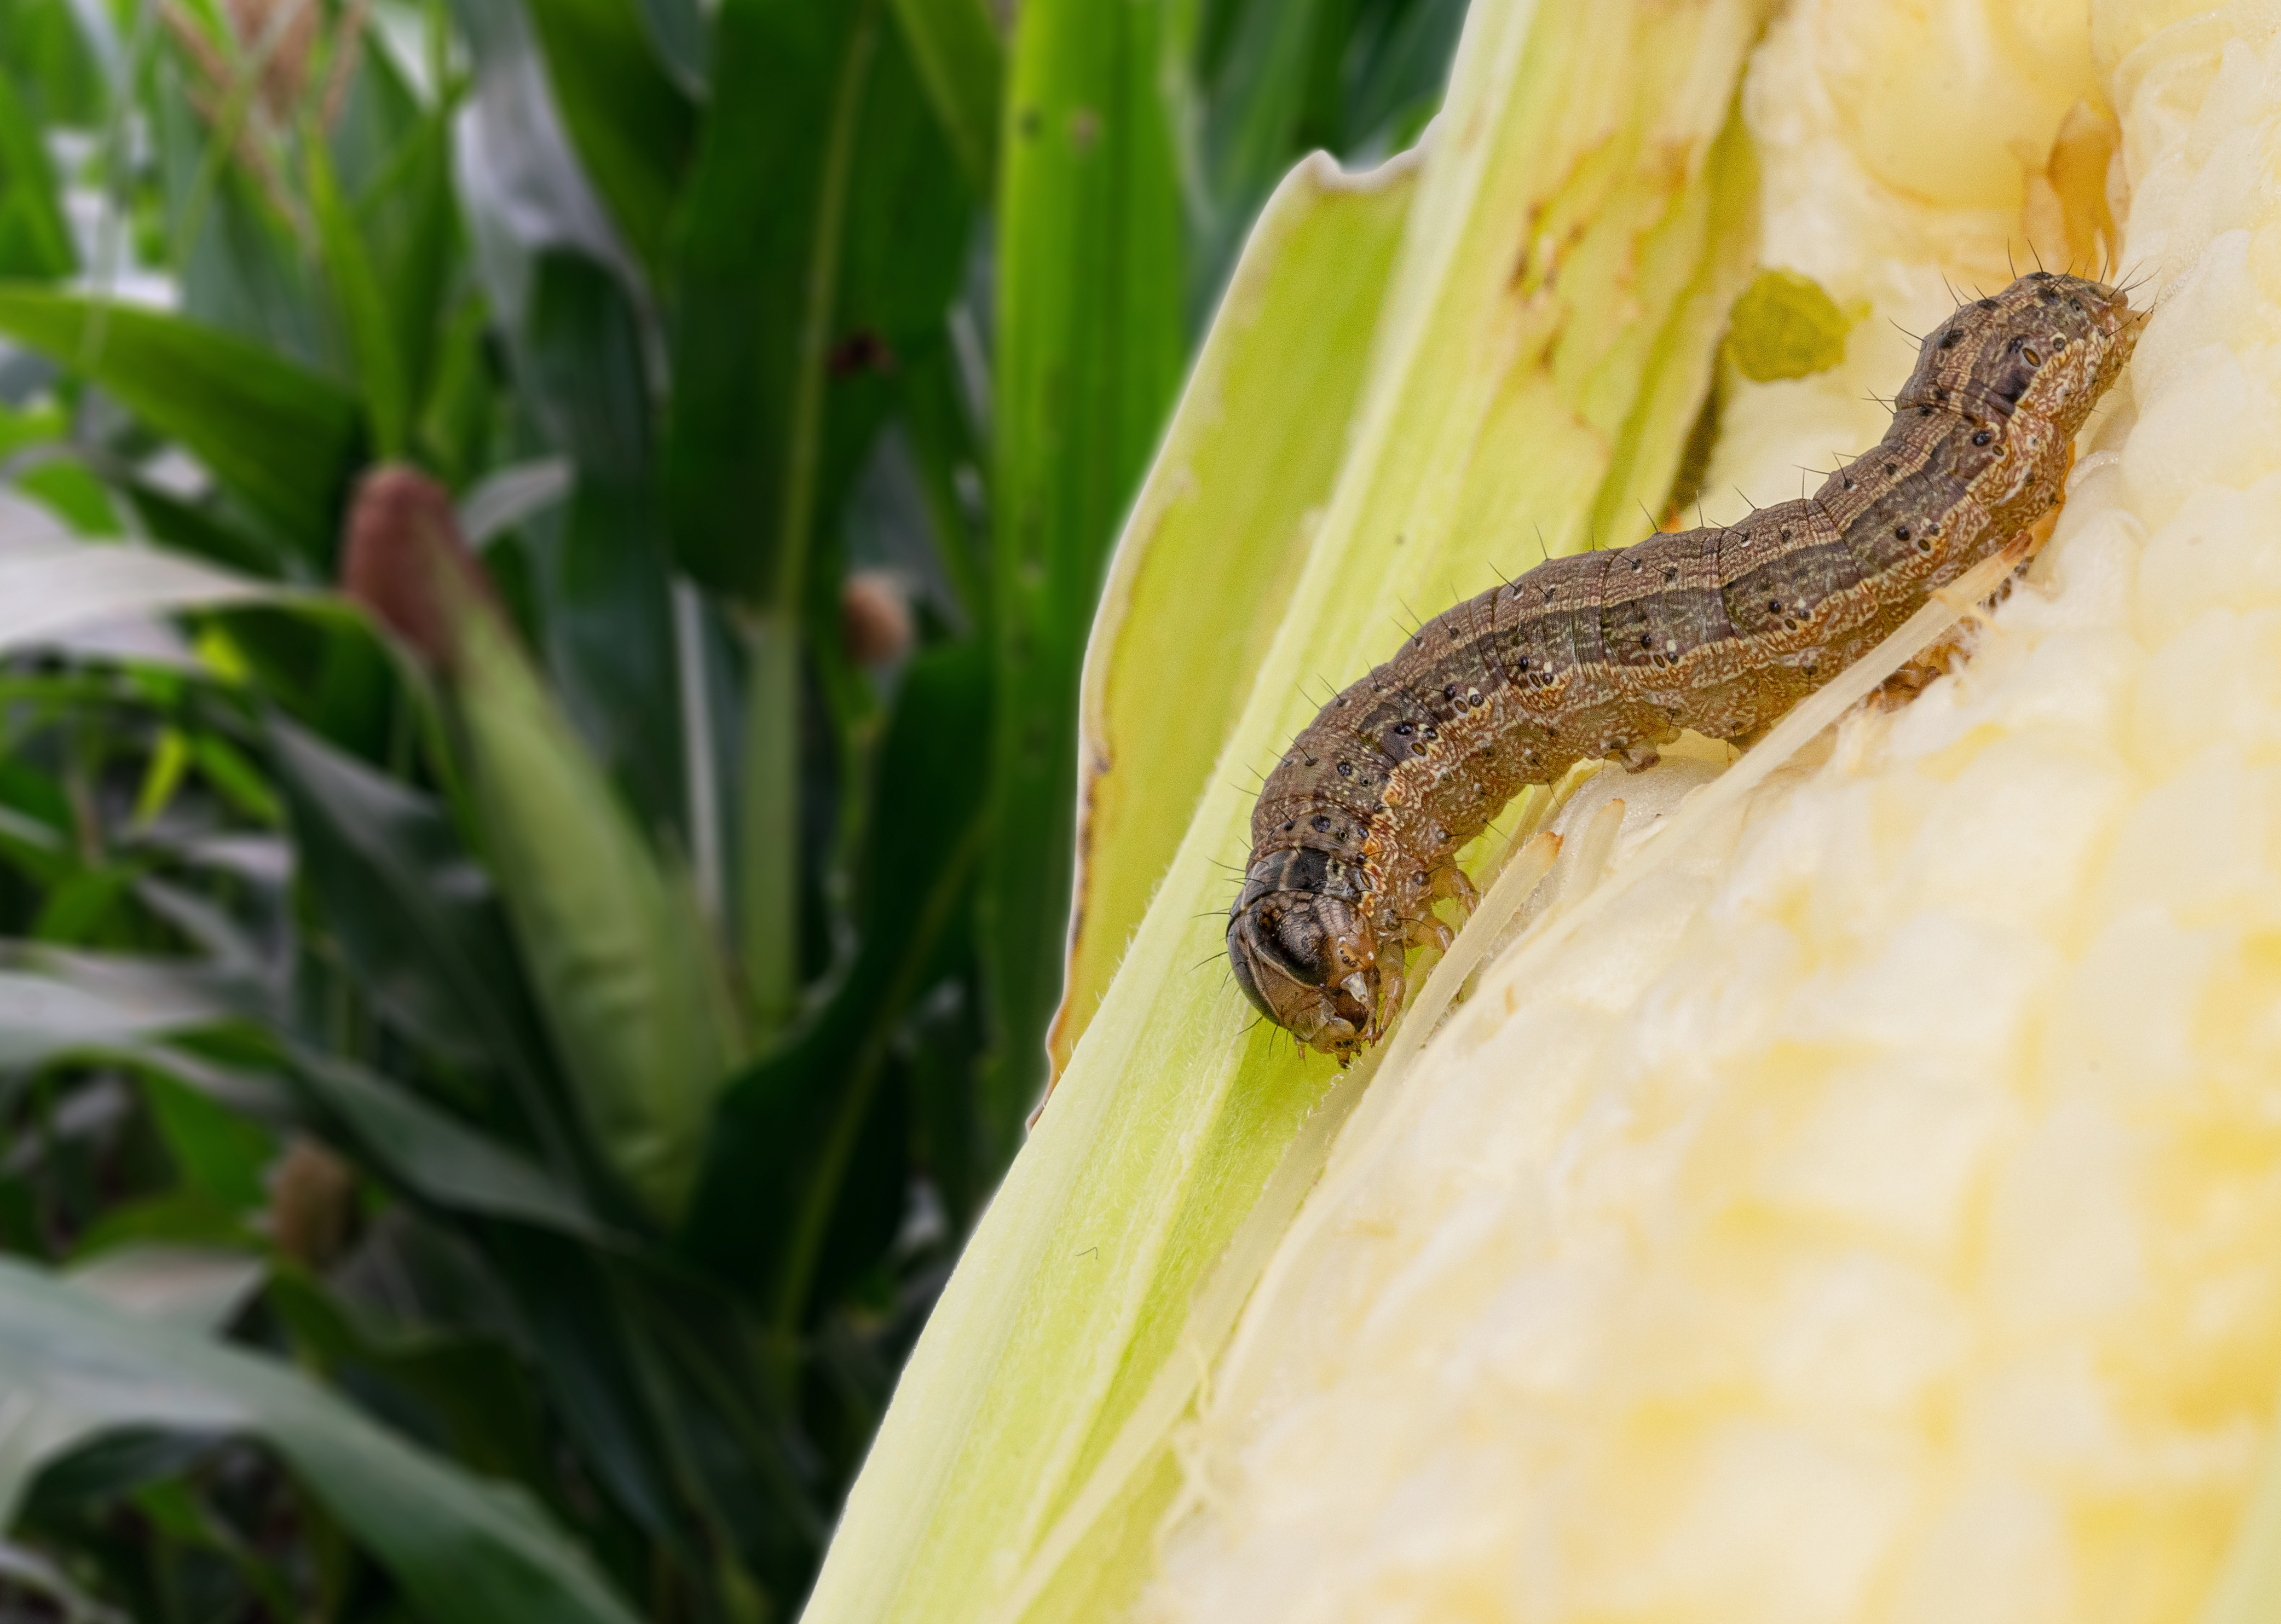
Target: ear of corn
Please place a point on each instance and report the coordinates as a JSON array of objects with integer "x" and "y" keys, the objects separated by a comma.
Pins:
[
  {"x": 1552, "y": 371},
  {"x": 1870, "y": 1212},
  {"x": 1874, "y": 1214},
  {"x": 620, "y": 955}
]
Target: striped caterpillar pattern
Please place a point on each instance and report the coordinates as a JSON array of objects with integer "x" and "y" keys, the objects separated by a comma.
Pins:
[{"x": 1608, "y": 654}]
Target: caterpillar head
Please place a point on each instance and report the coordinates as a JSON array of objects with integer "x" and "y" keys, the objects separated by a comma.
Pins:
[{"x": 1307, "y": 962}]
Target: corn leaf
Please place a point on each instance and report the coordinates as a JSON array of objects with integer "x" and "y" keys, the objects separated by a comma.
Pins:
[
  {"x": 633, "y": 123},
  {"x": 35, "y": 239},
  {"x": 363, "y": 309},
  {"x": 1583, "y": 220},
  {"x": 961, "y": 63},
  {"x": 463, "y": 1550},
  {"x": 1091, "y": 341},
  {"x": 1216, "y": 541},
  {"x": 283, "y": 437},
  {"x": 602, "y": 576},
  {"x": 50, "y": 594}
]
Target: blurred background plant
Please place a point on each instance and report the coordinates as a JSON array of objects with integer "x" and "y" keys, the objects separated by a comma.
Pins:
[{"x": 572, "y": 1012}]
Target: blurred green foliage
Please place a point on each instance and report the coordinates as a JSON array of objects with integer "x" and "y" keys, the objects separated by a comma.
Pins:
[{"x": 579, "y": 1054}]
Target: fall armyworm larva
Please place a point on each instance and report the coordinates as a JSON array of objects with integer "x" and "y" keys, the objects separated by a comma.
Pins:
[{"x": 1609, "y": 654}]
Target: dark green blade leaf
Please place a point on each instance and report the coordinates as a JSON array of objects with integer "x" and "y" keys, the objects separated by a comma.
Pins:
[
  {"x": 281, "y": 436},
  {"x": 479, "y": 1393},
  {"x": 46, "y": 45},
  {"x": 632, "y": 124},
  {"x": 1090, "y": 351},
  {"x": 420, "y": 923},
  {"x": 754, "y": 277},
  {"x": 786, "y": 1131},
  {"x": 604, "y": 586},
  {"x": 954, "y": 44},
  {"x": 364, "y": 313},
  {"x": 405, "y": 216},
  {"x": 1397, "y": 74},
  {"x": 903, "y": 251},
  {"x": 242, "y": 266},
  {"x": 438, "y": 1156},
  {"x": 34, "y": 239},
  {"x": 465, "y": 1551}
]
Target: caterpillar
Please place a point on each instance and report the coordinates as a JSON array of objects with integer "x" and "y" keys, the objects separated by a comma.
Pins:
[{"x": 1608, "y": 654}]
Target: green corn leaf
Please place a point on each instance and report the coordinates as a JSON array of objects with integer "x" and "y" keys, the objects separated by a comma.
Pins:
[
  {"x": 603, "y": 574},
  {"x": 632, "y": 124},
  {"x": 1547, "y": 336},
  {"x": 364, "y": 310},
  {"x": 434, "y": 1154},
  {"x": 955, "y": 45},
  {"x": 1091, "y": 342},
  {"x": 47, "y": 595},
  {"x": 465, "y": 1552},
  {"x": 240, "y": 260},
  {"x": 406, "y": 215},
  {"x": 35, "y": 241},
  {"x": 418, "y": 924},
  {"x": 283, "y": 439},
  {"x": 755, "y": 281},
  {"x": 1216, "y": 541}
]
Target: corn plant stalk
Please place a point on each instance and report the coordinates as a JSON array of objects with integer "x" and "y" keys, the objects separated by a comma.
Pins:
[{"x": 1511, "y": 376}]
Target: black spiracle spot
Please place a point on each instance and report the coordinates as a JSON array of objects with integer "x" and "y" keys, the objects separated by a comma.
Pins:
[
  {"x": 1900, "y": 532},
  {"x": 1449, "y": 690}
]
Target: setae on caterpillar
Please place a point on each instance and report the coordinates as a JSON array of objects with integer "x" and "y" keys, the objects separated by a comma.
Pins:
[{"x": 1609, "y": 654}]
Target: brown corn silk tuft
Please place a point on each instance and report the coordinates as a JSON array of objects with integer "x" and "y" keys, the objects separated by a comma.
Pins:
[{"x": 405, "y": 561}]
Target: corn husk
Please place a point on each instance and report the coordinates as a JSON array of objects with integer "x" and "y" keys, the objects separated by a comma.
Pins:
[{"x": 1849, "y": 1189}]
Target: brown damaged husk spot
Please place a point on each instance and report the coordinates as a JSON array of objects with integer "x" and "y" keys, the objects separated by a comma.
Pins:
[{"x": 407, "y": 562}]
